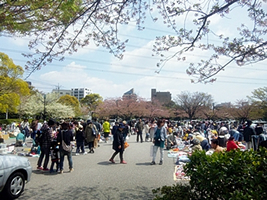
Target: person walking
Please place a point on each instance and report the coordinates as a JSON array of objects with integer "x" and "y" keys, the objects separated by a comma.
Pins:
[
  {"x": 106, "y": 130},
  {"x": 90, "y": 135},
  {"x": 126, "y": 130},
  {"x": 65, "y": 134},
  {"x": 118, "y": 144},
  {"x": 44, "y": 140},
  {"x": 139, "y": 128},
  {"x": 160, "y": 137}
]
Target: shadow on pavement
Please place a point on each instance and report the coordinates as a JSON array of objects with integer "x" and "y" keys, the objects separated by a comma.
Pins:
[
  {"x": 94, "y": 193},
  {"x": 104, "y": 163},
  {"x": 37, "y": 171}
]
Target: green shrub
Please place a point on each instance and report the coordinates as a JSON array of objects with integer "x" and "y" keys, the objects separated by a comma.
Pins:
[
  {"x": 9, "y": 121},
  {"x": 175, "y": 192},
  {"x": 230, "y": 175}
]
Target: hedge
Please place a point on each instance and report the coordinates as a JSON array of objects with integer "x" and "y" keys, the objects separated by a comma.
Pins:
[{"x": 230, "y": 175}]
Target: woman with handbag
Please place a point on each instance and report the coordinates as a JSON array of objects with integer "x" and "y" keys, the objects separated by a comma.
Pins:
[
  {"x": 64, "y": 137},
  {"x": 118, "y": 144},
  {"x": 160, "y": 137}
]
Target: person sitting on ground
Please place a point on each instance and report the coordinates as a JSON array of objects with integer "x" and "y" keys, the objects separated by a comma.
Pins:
[
  {"x": 171, "y": 141},
  {"x": 216, "y": 147},
  {"x": 203, "y": 141},
  {"x": 233, "y": 132},
  {"x": 196, "y": 145},
  {"x": 213, "y": 137},
  {"x": 231, "y": 144},
  {"x": 20, "y": 139}
]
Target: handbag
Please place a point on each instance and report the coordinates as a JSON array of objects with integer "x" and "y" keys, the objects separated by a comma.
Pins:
[
  {"x": 65, "y": 147},
  {"x": 126, "y": 145}
]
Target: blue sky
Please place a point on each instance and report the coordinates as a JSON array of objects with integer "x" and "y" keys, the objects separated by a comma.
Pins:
[{"x": 95, "y": 68}]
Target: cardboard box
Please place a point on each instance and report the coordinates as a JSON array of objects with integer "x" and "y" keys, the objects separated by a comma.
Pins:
[{"x": 6, "y": 136}]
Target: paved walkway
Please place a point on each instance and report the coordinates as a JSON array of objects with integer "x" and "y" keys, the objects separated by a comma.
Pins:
[{"x": 94, "y": 177}]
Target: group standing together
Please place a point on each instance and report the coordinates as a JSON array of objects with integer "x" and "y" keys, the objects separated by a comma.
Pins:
[{"x": 56, "y": 139}]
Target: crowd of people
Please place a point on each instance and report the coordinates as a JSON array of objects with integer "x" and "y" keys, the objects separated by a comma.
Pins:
[{"x": 57, "y": 139}]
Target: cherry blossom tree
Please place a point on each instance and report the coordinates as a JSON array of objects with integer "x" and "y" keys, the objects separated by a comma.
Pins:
[
  {"x": 131, "y": 108},
  {"x": 36, "y": 105},
  {"x": 62, "y": 27}
]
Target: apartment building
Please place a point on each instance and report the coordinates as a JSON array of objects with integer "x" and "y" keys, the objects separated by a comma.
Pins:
[
  {"x": 162, "y": 97},
  {"x": 80, "y": 93}
]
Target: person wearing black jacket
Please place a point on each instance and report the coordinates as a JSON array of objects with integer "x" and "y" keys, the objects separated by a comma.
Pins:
[
  {"x": 248, "y": 132},
  {"x": 65, "y": 134},
  {"x": 44, "y": 139},
  {"x": 118, "y": 144},
  {"x": 80, "y": 140}
]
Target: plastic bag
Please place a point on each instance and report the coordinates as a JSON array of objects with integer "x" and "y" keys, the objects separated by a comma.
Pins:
[{"x": 126, "y": 145}]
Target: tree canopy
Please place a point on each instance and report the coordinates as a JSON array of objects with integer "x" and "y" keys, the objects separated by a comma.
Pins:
[
  {"x": 131, "y": 108},
  {"x": 70, "y": 101},
  {"x": 37, "y": 105},
  {"x": 12, "y": 87},
  {"x": 92, "y": 101},
  {"x": 64, "y": 26},
  {"x": 192, "y": 103},
  {"x": 259, "y": 99}
]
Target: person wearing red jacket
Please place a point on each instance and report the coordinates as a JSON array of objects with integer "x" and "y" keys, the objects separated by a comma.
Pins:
[{"x": 231, "y": 145}]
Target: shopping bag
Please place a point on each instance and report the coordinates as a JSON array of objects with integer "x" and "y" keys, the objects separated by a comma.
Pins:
[{"x": 126, "y": 145}]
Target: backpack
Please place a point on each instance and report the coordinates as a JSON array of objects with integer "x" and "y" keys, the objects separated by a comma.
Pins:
[{"x": 39, "y": 138}]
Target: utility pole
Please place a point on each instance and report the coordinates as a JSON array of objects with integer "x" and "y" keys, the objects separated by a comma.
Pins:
[
  {"x": 6, "y": 113},
  {"x": 58, "y": 88}
]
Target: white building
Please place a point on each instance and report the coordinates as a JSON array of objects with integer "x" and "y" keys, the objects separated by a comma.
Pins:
[
  {"x": 80, "y": 93},
  {"x": 61, "y": 92}
]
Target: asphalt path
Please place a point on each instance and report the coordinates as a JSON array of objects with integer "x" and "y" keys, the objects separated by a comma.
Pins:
[{"x": 94, "y": 177}]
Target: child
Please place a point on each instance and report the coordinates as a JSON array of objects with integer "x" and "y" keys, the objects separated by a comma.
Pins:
[{"x": 54, "y": 149}]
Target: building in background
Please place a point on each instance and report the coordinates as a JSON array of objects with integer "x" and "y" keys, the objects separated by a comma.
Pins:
[
  {"x": 162, "y": 97},
  {"x": 129, "y": 95},
  {"x": 221, "y": 105},
  {"x": 61, "y": 92},
  {"x": 80, "y": 93},
  {"x": 29, "y": 83}
]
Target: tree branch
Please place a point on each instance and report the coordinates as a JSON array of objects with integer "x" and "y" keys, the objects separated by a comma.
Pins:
[{"x": 219, "y": 10}]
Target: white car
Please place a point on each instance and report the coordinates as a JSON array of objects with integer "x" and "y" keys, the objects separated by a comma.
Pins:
[{"x": 15, "y": 171}]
